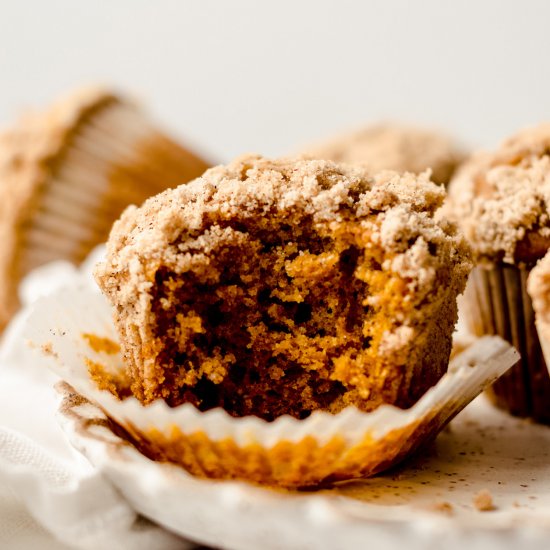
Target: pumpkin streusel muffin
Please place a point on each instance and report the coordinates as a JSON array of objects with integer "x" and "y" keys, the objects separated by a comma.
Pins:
[
  {"x": 67, "y": 173},
  {"x": 271, "y": 287},
  {"x": 501, "y": 200},
  {"x": 394, "y": 147}
]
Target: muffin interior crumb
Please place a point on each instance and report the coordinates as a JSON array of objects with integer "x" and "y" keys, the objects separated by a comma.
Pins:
[{"x": 286, "y": 327}]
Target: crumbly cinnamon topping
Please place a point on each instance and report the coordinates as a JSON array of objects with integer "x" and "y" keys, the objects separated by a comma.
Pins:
[
  {"x": 276, "y": 287},
  {"x": 501, "y": 199},
  {"x": 394, "y": 147}
]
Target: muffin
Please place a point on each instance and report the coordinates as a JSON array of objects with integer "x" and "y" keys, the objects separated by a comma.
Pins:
[
  {"x": 67, "y": 173},
  {"x": 394, "y": 147},
  {"x": 501, "y": 201},
  {"x": 273, "y": 287}
]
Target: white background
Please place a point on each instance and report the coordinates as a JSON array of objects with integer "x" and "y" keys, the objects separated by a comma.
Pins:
[{"x": 242, "y": 75}]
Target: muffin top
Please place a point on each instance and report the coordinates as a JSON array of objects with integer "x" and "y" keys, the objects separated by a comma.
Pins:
[
  {"x": 501, "y": 199},
  {"x": 397, "y": 209},
  {"x": 274, "y": 287},
  {"x": 394, "y": 147}
]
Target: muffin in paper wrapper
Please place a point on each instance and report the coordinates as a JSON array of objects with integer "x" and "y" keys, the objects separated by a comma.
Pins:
[
  {"x": 496, "y": 302},
  {"x": 74, "y": 326},
  {"x": 70, "y": 171}
]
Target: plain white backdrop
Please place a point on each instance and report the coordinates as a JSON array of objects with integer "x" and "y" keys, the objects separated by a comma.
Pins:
[{"x": 243, "y": 75}]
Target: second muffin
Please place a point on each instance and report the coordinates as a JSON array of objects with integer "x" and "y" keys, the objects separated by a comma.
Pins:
[
  {"x": 393, "y": 146},
  {"x": 68, "y": 172},
  {"x": 501, "y": 200},
  {"x": 281, "y": 287}
]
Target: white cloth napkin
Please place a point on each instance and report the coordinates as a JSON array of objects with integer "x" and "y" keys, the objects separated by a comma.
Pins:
[{"x": 45, "y": 485}]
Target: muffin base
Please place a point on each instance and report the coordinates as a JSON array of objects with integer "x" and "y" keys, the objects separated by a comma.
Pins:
[
  {"x": 497, "y": 302},
  {"x": 323, "y": 448}
]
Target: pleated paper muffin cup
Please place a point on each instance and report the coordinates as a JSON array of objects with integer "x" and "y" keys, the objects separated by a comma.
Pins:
[
  {"x": 496, "y": 302},
  {"x": 74, "y": 326},
  {"x": 70, "y": 172}
]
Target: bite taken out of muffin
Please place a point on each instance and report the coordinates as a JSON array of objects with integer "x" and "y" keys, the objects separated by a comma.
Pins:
[{"x": 272, "y": 287}]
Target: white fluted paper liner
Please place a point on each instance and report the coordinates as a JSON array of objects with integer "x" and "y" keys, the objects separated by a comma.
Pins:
[
  {"x": 286, "y": 452},
  {"x": 428, "y": 505}
]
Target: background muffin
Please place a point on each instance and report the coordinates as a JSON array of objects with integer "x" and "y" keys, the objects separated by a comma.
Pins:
[
  {"x": 394, "y": 147},
  {"x": 67, "y": 173},
  {"x": 285, "y": 286},
  {"x": 501, "y": 200}
]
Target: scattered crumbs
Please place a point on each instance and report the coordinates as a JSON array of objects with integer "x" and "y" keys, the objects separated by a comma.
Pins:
[
  {"x": 100, "y": 344},
  {"x": 47, "y": 349},
  {"x": 115, "y": 382},
  {"x": 516, "y": 504},
  {"x": 483, "y": 501},
  {"x": 443, "y": 507}
]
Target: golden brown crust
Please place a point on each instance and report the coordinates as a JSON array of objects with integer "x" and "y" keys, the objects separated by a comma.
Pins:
[
  {"x": 342, "y": 279},
  {"x": 501, "y": 199},
  {"x": 394, "y": 147}
]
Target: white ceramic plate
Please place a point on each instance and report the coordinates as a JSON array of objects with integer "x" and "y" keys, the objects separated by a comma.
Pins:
[{"x": 426, "y": 504}]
